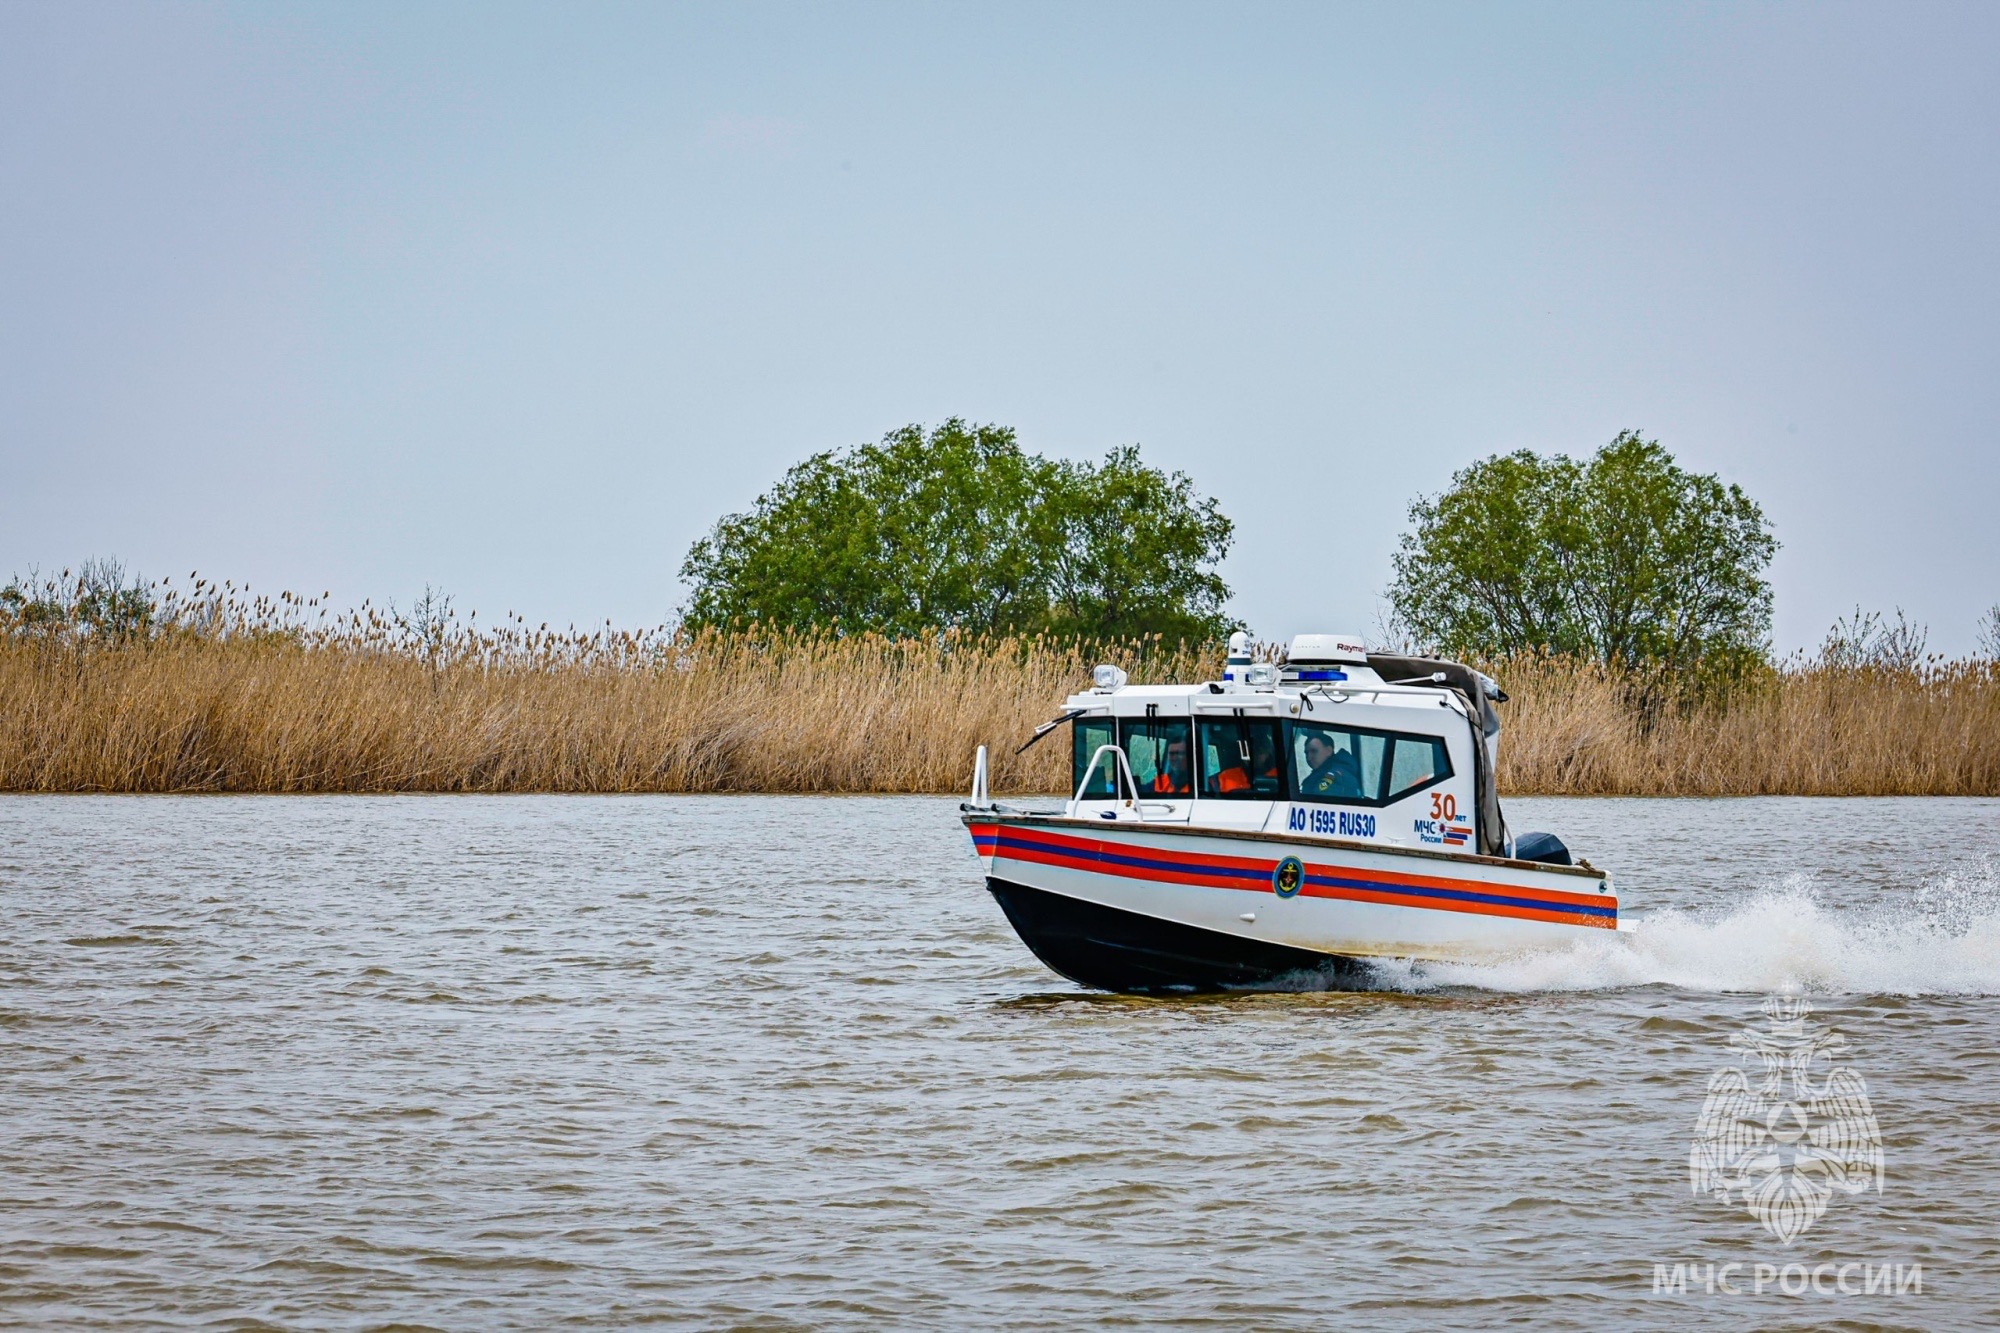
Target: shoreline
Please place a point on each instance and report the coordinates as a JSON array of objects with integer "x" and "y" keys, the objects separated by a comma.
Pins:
[{"x": 358, "y": 708}]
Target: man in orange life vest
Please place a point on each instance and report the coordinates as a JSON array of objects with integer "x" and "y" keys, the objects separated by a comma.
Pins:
[
  {"x": 1236, "y": 777},
  {"x": 1172, "y": 779}
]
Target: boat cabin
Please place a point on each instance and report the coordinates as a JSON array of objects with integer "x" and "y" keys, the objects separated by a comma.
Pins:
[{"x": 1332, "y": 742}]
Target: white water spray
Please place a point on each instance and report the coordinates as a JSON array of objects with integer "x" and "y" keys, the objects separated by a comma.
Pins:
[{"x": 1941, "y": 939}]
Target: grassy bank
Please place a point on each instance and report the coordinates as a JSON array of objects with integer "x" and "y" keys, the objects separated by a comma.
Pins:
[
  {"x": 213, "y": 691},
  {"x": 1804, "y": 729},
  {"x": 217, "y": 692}
]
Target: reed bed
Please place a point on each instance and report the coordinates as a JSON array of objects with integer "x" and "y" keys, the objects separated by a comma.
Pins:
[
  {"x": 1803, "y": 728},
  {"x": 213, "y": 691}
]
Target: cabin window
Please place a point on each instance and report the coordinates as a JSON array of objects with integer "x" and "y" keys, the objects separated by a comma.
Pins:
[
  {"x": 1088, "y": 735},
  {"x": 1418, "y": 762},
  {"x": 1157, "y": 749},
  {"x": 1363, "y": 767},
  {"x": 1338, "y": 763},
  {"x": 1240, "y": 760}
]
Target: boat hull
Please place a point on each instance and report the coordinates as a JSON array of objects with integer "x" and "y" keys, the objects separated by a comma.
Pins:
[
  {"x": 1151, "y": 907},
  {"x": 1109, "y": 948}
]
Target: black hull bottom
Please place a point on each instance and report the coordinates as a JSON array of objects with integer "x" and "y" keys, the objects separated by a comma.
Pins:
[{"x": 1112, "y": 949}]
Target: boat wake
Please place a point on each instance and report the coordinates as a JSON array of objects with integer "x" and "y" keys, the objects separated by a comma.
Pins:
[{"x": 1943, "y": 938}]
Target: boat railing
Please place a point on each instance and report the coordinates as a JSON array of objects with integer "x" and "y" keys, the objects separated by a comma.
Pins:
[
  {"x": 982, "y": 796},
  {"x": 979, "y": 778},
  {"x": 1122, "y": 770}
]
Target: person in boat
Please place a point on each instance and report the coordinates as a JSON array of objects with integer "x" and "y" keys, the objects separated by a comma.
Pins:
[
  {"x": 1235, "y": 777},
  {"x": 1334, "y": 771},
  {"x": 1173, "y": 777}
]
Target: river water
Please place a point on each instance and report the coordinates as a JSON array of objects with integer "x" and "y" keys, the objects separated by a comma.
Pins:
[{"x": 474, "y": 1062}]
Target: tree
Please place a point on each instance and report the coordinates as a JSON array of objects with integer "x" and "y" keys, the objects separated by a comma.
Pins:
[
  {"x": 100, "y": 603},
  {"x": 961, "y": 528},
  {"x": 1125, "y": 549},
  {"x": 1625, "y": 557},
  {"x": 1864, "y": 641}
]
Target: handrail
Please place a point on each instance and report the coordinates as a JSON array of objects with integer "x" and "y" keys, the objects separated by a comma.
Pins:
[
  {"x": 1124, "y": 769},
  {"x": 979, "y": 796}
]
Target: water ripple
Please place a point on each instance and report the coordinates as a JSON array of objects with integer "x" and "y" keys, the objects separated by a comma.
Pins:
[{"x": 449, "y": 1062}]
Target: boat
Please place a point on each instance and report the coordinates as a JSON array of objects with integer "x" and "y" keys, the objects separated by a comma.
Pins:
[{"x": 1288, "y": 826}]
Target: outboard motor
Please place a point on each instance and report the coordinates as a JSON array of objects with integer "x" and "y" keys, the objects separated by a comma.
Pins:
[{"x": 1544, "y": 847}]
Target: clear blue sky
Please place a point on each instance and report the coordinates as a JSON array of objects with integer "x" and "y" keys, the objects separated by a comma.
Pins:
[{"x": 516, "y": 300}]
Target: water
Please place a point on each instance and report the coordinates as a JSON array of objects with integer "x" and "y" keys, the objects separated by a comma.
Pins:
[{"x": 519, "y": 1062}]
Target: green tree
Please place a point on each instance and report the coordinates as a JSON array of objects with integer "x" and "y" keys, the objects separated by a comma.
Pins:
[
  {"x": 1124, "y": 549},
  {"x": 961, "y": 528},
  {"x": 100, "y": 603},
  {"x": 1624, "y": 557}
]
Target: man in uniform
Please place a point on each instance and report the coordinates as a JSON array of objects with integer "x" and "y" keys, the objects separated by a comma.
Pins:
[{"x": 1334, "y": 771}]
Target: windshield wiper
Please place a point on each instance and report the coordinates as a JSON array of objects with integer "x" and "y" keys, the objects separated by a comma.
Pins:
[{"x": 1049, "y": 726}]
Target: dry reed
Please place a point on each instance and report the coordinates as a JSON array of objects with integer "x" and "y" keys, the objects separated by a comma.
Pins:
[
  {"x": 220, "y": 693},
  {"x": 215, "y": 692},
  {"x": 1802, "y": 729}
]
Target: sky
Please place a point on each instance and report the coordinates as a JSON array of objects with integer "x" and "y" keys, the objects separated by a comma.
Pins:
[{"x": 515, "y": 301}]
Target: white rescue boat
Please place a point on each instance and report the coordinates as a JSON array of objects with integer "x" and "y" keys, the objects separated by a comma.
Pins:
[{"x": 1280, "y": 827}]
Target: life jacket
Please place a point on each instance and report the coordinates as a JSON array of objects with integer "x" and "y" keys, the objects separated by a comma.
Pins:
[
  {"x": 1162, "y": 784},
  {"x": 1232, "y": 779}
]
